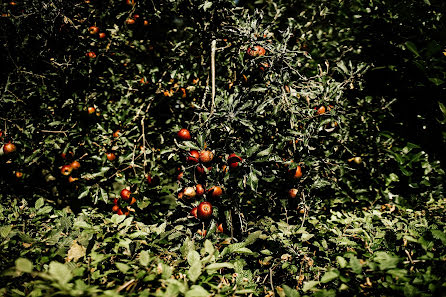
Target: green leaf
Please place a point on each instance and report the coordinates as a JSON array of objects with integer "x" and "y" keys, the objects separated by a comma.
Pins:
[
  {"x": 329, "y": 276},
  {"x": 386, "y": 260},
  {"x": 197, "y": 291},
  {"x": 60, "y": 272},
  {"x": 355, "y": 265},
  {"x": 309, "y": 285},
  {"x": 122, "y": 267},
  {"x": 252, "y": 237},
  {"x": 116, "y": 219},
  {"x": 252, "y": 150},
  {"x": 211, "y": 268},
  {"x": 5, "y": 230},
  {"x": 411, "y": 46},
  {"x": 24, "y": 265},
  {"x": 193, "y": 257},
  {"x": 253, "y": 181},
  {"x": 208, "y": 247},
  {"x": 442, "y": 108},
  {"x": 306, "y": 236},
  {"x": 290, "y": 292},
  {"x": 265, "y": 152},
  {"x": 436, "y": 81},
  {"x": 39, "y": 203},
  {"x": 438, "y": 234},
  {"x": 144, "y": 258},
  {"x": 194, "y": 271},
  {"x": 341, "y": 261}
]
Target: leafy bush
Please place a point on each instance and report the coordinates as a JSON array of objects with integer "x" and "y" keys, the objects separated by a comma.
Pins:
[{"x": 313, "y": 190}]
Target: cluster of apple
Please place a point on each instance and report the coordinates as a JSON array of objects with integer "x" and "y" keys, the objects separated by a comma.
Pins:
[
  {"x": 68, "y": 168},
  {"x": 94, "y": 30},
  {"x": 124, "y": 208},
  {"x": 201, "y": 160}
]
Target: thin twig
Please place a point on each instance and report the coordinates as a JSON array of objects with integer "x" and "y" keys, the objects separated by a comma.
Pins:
[
  {"x": 271, "y": 280},
  {"x": 125, "y": 285}
]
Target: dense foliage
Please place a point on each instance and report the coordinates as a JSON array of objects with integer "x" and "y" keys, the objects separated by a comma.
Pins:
[{"x": 315, "y": 129}]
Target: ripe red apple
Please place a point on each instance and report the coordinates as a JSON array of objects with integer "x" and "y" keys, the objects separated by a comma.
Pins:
[
  {"x": 119, "y": 212},
  {"x": 75, "y": 165},
  {"x": 256, "y": 51},
  {"x": 292, "y": 193},
  {"x": 200, "y": 189},
  {"x": 125, "y": 194},
  {"x": 9, "y": 148},
  {"x": 206, "y": 156},
  {"x": 184, "y": 134},
  {"x": 111, "y": 156},
  {"x": 193, "y": 156},
  {"x": 296, "y": 173},
  {"x": 200, "y": 169},
  {"x": 91, "y": 55},
  {"x": 116, "y": 134},
  {"x": 189, "y": 192},
  {"x": 93, "y": 30},
  {"x": 18, "y": 174},
  {"x": 194, "y": 212},
  {"x": 215, "y": 191},
  {"x": 72, "y": 179},
  {"x": 115, "y": 201},
  {"x": 204, "y": 210},
  {"x": 102, "y": 35},
  {"x": 321, "y": 110},
  {"x": 66, "y": 169},
  {"x": 115, "y": 208},
  {"x": 220, "y": 228},
  {"x": 153, "y": 180},
  {"x": 130, "y": 21},
  {"x": 234, "y": 158}
]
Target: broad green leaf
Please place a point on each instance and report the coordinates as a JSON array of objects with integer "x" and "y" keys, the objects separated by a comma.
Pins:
[
  {"x": 144, "y": 258},
  {"x": 290, "y": 292},
  {"x": 438, "y": 234},
  {"x": 116, "y": 219},
  {"x": 24, "y": 265},
  {"x": 197, "y": 291},
  {"x": 82, "y": 224},
  {"x": 5, "y": 230},
  {"x": 309, "y": 285},
  {"x": 211, "y": 268},
  {"x": 386, "y": 260},
  {"x": 442, "y": 108},
  {"x": 355, "y": 265},
  {"x": 436, "y": 81},
  {"x": 122, "y": 267},
  {"x": 265, "y": 152},
  {"x": 329, "y": 276},
  {"x": 194, "y": 271},
  {"x": 412, "y": 47},
  {"x": 306, "y": 236},
  {"x": 208, "y": 247},
  {"x": 39, "y": 203},
  {"x": 252, "y": 237},
  {"x": 341, "y": 261},
  {"x": 193, "y": 257},
  {"x": 60, "y": 272}
]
